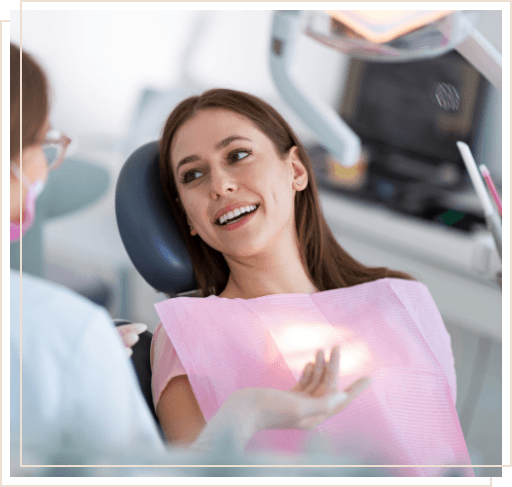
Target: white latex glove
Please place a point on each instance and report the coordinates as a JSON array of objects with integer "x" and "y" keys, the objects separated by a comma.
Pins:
[
  {"x": 130, "y": 335},
  {"x": 311, "y": 401}
]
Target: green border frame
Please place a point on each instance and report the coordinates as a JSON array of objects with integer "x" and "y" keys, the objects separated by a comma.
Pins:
[{"x": 497, "y": 481}]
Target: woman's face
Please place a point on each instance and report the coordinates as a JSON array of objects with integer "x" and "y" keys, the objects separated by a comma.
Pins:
[{"x": 224, "y": 165}]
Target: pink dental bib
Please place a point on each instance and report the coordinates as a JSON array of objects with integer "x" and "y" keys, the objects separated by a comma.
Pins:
[{"x": 389, "y": 329}]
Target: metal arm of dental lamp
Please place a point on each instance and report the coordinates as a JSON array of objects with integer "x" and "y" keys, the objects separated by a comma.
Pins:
[{"x": 338, "y": 138}]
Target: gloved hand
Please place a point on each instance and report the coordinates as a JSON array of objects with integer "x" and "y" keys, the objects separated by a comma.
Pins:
[
  {"x": 311, "y": 401},
  {"x": 130, "y": 335}
]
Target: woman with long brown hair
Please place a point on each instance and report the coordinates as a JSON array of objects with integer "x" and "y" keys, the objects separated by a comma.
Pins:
[{"x": 276, "y": 286}]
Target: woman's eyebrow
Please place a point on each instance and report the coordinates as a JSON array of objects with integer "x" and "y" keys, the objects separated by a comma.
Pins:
[
  {"x": 186, "y": 160},
  {"x": 228, "y": 140},
  {"x": 220, "y": 145}
]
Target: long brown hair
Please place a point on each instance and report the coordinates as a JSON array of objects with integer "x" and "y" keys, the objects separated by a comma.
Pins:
[
  {"x": 34, "y": 99},
  {"x": 328, "y": 265}
]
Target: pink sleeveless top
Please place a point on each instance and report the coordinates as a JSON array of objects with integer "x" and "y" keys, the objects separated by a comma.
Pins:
[{"x": 389, "y": 329}]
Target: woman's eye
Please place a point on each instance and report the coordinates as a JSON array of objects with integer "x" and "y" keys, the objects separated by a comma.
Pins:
[
  {"x": 239, "y": 155},
  {"x": 190, "y": 176}
]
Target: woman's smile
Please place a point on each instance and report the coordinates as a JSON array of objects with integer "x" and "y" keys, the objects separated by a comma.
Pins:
[{"x": 237, "y": 218}]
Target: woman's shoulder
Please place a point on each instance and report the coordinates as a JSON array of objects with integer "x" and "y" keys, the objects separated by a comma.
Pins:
[
  {"x": 407, "y": 286},
  {"x": 385, "y": 293},
  {"x": 402, "y": 283},
  {"x": 411, "y": 295},
  {"x": 377, "y": 286},
  {"x": 159, "y": 335}
]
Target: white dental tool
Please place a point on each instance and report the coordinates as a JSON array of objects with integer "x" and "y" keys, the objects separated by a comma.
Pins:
[{"x": 491, "y": 215}]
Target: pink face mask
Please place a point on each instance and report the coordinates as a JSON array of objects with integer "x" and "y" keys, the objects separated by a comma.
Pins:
[{"x": 33, "y": 191}]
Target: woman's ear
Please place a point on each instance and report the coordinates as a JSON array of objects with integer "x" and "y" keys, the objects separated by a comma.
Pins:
[{"x": 300, "y": 174}]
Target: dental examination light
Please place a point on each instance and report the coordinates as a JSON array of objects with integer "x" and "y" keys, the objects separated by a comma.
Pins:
[{"x": 371, "y": 35}]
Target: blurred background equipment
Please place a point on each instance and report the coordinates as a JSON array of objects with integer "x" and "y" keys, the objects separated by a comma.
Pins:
[
  {"x": 399, "y": 110},
  {"x": 414, "y": 89},
  {"x": 377, "y": 36}
]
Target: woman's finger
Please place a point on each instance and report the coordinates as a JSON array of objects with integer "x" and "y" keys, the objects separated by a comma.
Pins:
[
  {"x": 304, "y": 378},
  {"x": 318, "y": 373},
  {"x": 333, "y": 369}
]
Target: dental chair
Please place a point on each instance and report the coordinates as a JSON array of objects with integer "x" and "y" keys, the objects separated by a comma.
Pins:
[{"x": 153, "y": 243}]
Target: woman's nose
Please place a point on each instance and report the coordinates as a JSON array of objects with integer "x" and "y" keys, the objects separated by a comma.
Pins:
[{"x": 221, "y": 182}]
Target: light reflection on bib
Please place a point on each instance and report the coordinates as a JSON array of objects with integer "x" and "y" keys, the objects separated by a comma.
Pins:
[{"x": 298, "y": 344}]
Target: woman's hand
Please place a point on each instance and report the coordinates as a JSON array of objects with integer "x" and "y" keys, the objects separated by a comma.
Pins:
[
  {"x": 311, "y": 401},
  {"x": 130, "y": 335},
  {"x": 314, "y": 399}
]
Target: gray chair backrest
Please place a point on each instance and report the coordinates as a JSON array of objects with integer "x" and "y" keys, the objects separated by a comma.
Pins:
[{"x": 147, "y": 227}]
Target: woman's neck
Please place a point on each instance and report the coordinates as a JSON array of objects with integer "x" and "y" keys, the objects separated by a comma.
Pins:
[{"x": 279, "y": 271}]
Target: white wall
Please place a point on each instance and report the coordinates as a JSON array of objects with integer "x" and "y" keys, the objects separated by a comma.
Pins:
[{"x": 98, "y": 61}]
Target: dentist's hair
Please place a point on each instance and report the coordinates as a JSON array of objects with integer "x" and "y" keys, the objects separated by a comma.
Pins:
[
  {"x": 33, "y": 106},
  {"x": 328, "y": 265}
]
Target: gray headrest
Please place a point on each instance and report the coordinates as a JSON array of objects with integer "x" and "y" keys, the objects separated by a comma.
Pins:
[{"x": 147, "y": 227}]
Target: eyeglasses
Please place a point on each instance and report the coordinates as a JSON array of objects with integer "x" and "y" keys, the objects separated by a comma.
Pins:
[{"x": 54, "y": 148}]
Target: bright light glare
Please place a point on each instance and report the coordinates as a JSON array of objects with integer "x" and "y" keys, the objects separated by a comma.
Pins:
[
  {"x": 301, "y": 337},
  {"x": 354, "y": 358},
  {"x": 298, "y": 344},
  {"x": 385, "y": 25}
]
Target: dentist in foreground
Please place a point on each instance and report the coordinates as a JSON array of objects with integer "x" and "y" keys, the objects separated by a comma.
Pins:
[{"x": 74, "y": 397}]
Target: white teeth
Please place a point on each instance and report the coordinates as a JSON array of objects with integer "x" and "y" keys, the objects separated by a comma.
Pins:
[{"x": 235, "y": 213}]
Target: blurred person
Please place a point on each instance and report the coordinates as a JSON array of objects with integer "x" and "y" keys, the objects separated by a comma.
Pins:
[
  {"x": 74, "y": 396},
  {"x": 275, "y": 283}
]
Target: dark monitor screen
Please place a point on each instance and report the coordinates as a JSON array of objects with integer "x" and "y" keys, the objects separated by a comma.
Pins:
[{"x": 422, "y": 107}]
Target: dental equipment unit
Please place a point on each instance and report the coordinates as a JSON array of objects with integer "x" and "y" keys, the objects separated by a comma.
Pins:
[{"x": 387, "y": 36}]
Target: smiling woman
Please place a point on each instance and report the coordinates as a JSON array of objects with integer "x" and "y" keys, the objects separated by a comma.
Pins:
[
  {"x": 276, "y": 286},
  {"x": 273, "y": 160}
]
